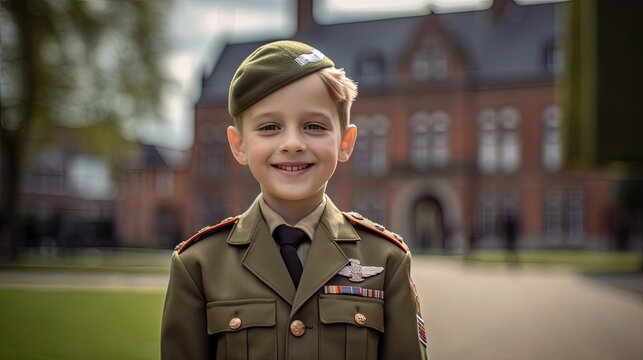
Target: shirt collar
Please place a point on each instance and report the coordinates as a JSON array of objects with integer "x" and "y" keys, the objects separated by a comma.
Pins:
[{"x": 307, "y": 224}]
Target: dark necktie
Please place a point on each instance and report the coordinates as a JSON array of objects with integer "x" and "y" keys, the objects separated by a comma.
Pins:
[{"x": 289, "y": 239}]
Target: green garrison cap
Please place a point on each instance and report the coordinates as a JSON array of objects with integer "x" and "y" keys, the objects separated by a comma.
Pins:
[{"x": 269, "y": 68}]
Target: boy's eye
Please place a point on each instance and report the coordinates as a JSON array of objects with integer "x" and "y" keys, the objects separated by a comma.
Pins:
[
  {"x": 268, "y": 127},
  {"x": 314, "y": 127}
]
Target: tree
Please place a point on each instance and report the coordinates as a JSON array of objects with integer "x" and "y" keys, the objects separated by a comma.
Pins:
[{"x": 73, "y": 63}]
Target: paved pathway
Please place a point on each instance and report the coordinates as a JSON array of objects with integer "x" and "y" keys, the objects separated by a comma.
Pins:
[
  {"x": 481, "y": 312},
  {"x": 472, "y": 312},
  {"x": 39, "y": 279}
]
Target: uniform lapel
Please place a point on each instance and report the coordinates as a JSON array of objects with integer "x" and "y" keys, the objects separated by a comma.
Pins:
[
  {"x": 262, "y": 257},
  {"x": 325, "y": 258}
]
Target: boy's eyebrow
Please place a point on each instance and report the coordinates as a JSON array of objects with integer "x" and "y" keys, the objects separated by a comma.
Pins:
[
  {"x": 264, "y": 114},
  {"x": 273, "y": 114},
  {"x": 323, "y": 114}
]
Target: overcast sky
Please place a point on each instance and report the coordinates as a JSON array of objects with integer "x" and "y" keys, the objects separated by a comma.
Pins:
[{"x": 198, "y": 29}]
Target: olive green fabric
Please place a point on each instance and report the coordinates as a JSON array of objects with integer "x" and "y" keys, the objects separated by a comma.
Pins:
[
  {"x": 238, "y": 272},
  {"x": 269, "y": 68}
]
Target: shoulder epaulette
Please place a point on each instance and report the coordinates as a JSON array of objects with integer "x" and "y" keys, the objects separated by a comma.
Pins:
[
  {"x": 205, "y": 232},
  {"x": 360, "y": 220}
]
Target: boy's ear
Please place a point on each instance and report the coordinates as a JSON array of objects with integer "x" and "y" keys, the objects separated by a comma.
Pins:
[
  {"x": 236, "y": 145},
  {"x": 348, "y": 143}
]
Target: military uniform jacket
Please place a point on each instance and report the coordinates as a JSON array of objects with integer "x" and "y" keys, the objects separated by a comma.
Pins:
[{"x": 230, "y": 295}]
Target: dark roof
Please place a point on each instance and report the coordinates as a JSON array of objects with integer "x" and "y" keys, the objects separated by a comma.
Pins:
[
  {"x": 507, "y": 47},
  {"x": 497, "y": 48},
  {"x": 151, "y": 156}
]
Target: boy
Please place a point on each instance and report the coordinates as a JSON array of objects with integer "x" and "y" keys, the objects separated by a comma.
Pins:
[{"x": 292, "y": 277}]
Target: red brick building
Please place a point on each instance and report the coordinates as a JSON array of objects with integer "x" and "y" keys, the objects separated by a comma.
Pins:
[
  {"x": 459, "y": 129},
  {"x": 154, "y": 201}
]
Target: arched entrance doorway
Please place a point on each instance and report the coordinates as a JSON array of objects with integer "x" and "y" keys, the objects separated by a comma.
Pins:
[{"x": 429, "y": 224}]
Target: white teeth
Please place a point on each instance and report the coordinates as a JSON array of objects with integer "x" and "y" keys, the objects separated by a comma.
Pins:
[{"x": 292, "y": 168}]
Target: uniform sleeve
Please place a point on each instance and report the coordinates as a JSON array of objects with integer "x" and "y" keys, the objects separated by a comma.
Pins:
[
  {"x": 184, "y": 326},
  {"x": 403, "y": 327}
]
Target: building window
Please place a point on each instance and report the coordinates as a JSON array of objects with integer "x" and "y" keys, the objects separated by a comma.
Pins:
[
  {"x": 371, "y": 68},
  {"x": 487, "y": 214},
  {"x": 493, "y": 206},
  {"x": 213, "y": 147},
  {"x": 510, "y": 139},
  {"x": 429, "y": 64},
  {"x": 564, "y": 216},
  {"x": 369, "y": 203},
  {"x": 575, "y": 213},
  {"x": 487, "y": 141},
  {"x": 499, "y": 140},
  {"x": 551, "y": 142},
  {"x": 429, "y": 139},
  {"x": 440, "y": 139},
  {"x": 553, "y": 214},
  {"x": 371, "y": 148}
]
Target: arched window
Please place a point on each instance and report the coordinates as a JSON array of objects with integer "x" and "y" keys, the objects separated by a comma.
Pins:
[
  {"x": 487, "y": 141},
  {"x": 440, "y": 139},
  {"x": 371, "y": 67},
  {"x": 420, "y": 142},
  {"x": 551, "y": 145},
  {"x": 429, "y": 139},
  {"x": 371, "y": 149},
  {"x": 429, "y": 64},
  {"x": 510, "y": 139},
  {"x": 499, "y": 140}
]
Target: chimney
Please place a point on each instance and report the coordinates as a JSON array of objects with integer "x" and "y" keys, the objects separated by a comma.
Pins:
[{"x": 304, "y": 15}]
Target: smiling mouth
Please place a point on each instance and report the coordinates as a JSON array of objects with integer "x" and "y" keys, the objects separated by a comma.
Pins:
[{"x": 292, "y": 167}]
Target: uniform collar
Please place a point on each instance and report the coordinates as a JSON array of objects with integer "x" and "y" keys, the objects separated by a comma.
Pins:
[
  {"x": 307, "y": 224},
  {"x": 339, "y": 228}
]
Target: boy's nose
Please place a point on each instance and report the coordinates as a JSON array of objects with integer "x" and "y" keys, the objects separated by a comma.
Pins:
[{"x": 292, "y": 142}]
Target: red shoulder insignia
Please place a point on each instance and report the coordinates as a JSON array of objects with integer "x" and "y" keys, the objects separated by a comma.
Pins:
[
  {"x": 360, "y": 220},
  {"x": 205, "y": 232}
]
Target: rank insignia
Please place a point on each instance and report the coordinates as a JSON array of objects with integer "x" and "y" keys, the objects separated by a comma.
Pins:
[
  {"x": 355, "y": 272},
  {"x": 421, "y": 330}
]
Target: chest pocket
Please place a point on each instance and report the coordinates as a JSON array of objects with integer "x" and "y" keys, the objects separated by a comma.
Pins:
[
  {"x": 245, "y": 329},
  {"x": 351, "y": 326}
]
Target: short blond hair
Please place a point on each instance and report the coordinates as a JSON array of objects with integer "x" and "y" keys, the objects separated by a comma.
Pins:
[{"x": 341, "y": 89}]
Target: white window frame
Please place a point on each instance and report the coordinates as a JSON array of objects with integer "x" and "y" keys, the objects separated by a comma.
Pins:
[
  {"x": 552, "y": 151},
  {"x": 371, "y": 149}
]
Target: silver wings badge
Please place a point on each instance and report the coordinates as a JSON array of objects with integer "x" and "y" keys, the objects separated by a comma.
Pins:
[{"x": 355, "y": 272}]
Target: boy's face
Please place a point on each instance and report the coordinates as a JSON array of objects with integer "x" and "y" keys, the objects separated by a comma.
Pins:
[{"x": 292, "y": 140}]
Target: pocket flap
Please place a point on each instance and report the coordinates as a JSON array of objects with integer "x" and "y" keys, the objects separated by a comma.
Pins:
[
  {"x": 342, "y": 309},
  {"x": 250, "y": 312}
]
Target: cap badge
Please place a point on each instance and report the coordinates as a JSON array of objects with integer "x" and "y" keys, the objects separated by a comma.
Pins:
[
  {"x": 314, "y": 56},
  {"x": 355, "y": 272}
]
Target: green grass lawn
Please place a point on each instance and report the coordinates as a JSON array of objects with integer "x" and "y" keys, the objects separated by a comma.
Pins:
[{"x": 56, "y": 324}]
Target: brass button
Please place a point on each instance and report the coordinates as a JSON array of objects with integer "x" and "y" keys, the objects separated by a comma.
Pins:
[
  {"x": 235, "y": 323},
  {"x": 297, "y": 328},
  {"x": 360, "y": 319}
]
